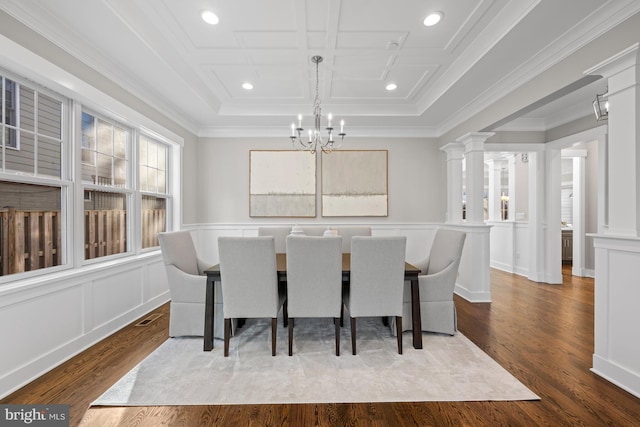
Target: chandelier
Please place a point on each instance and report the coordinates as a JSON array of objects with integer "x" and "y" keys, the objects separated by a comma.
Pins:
[{"x": 314, "y": 140}]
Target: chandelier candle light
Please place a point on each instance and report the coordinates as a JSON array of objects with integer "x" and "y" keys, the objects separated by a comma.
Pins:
[{"x": 315, "y": 140}]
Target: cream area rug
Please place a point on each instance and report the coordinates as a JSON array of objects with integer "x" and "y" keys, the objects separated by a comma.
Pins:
[{"x": 446, "y": 369}]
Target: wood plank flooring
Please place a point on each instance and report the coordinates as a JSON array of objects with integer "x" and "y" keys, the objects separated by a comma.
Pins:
[{"x": 542, "y": 334}]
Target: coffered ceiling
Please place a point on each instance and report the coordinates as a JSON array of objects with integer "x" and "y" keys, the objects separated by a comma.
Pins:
[{"x": 162, "y": 51}]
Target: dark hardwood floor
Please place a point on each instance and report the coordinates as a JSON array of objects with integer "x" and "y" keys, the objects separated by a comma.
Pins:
[{"x": 542, "y": 334}]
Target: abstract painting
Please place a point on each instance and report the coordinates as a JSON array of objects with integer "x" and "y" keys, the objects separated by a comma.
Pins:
[
  {"x": 282, "y": 184},
  {"x": 354, "y": 183}
]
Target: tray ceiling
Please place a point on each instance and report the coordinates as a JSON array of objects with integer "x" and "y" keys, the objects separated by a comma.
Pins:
[{"x": 163, "y": 52}]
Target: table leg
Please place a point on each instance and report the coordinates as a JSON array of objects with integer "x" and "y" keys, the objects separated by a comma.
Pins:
[
  {"x": 208, "y": 315},
  {"x": 415, "y": 314}
]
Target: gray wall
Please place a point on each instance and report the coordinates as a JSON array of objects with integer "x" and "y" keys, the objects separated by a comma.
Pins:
[{"x": 416, "y": 174}]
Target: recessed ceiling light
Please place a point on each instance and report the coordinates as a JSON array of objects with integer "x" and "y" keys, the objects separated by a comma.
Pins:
[
  {"x": 247, "y": 86},
  {"x": 433, "y": 18},
  {"x": 209, "y": 17},
  {"x": 391, "y": 86}
]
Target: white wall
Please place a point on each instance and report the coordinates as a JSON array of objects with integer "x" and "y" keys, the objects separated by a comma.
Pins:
[{"x": 416, "y": 173}]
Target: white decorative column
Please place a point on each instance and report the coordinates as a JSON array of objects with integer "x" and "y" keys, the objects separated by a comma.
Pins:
[
  {"x": 553, "y": 218},
  {"x": 473, "y": 280},
  {"x": 617, "y": 247},
  {"x": 623, "y": 74},
  {"x": 455, "y": 157},
  {"x": 537, "y": 174},
  {"x": 579, "y": 207},
  {"x": 474, "y": 157}
]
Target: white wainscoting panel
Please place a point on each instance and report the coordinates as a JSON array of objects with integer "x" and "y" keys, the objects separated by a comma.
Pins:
[
  {"x": 116, "y": 293},
  {"x": 521, "y": 255},
  {"x": 502, "y": 245},
  {"x": 48, "y": 319},
  {"x": 38, "y": 324},
  {"x": 617, "y": 294},
  {"x": 473, "y": 282},
  {"x": 510, "y": 246}
]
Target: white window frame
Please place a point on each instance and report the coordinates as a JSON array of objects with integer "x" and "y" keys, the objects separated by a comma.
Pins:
[
  {"x": 127, "y": 190},
  {"x": 76, "y": 96},
  {"x": 167, "y": 195},
  {"x": 64, "y": 182}
]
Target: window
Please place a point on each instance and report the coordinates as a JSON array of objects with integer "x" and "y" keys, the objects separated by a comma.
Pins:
[
  {"x": 121, "y": 177},
  {"x": 9, "y": 116},
  {"x": 31, "y": 130},
  {"x": 104, "y": 152},
  {"x": 31, "y": 185},
  {"x": 105, "y": 147},
  {"x": 152, "y": 170}
]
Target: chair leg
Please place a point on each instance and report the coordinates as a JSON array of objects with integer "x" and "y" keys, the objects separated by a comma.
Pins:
[
  {"x": 290, "y": 337},
  {"x": 337, "y": 323},
  {"x": 399, "y": 333},
  {"x": 227, "y": 332},
  {"x": 341, "y": 315},
  {"x": 353, "y": 336},
  {"x": 274, "y": 330},
  {"x": 285, "y": 314}
]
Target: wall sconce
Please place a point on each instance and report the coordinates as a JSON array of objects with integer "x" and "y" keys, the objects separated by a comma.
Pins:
[{"x": 601, "y": 106}]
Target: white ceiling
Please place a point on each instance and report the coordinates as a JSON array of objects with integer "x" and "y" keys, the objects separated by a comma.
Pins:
[{"x": 163, "y": 52}]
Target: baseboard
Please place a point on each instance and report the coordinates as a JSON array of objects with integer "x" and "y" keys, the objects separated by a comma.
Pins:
[
  {"x": 616, "y": 374},
  {"x": 502, "y": 266},
  {"x": 472, "y": 296}
]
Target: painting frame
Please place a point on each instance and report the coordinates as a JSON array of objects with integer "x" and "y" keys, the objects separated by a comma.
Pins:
[
  {"x": 355, "y": 183},
  {"x": 282, "y": 184}
]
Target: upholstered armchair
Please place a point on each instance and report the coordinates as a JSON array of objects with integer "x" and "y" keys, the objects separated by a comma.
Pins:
[
  {"x": 187, "y": 283},
  {"x": 437, "y": 280}
]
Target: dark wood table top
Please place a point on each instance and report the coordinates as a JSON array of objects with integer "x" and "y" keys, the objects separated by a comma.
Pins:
[{"x": 281, "y": 266}]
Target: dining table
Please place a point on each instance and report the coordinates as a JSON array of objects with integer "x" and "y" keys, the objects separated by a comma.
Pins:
[{"x": 411, "y": 273}]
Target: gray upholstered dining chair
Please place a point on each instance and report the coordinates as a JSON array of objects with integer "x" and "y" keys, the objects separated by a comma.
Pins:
[
  {"x": 313, "y": 230},
  {"x": 377, "y": 281},
  {"x": 187, "y": 286},
  {"x": 249, "y": 282},
  {"x": 437, "y": 281},
  {"x": 279, "y": 234},
  {"x": 348, "y": 232},
  {"x": 314, "y": 280}
]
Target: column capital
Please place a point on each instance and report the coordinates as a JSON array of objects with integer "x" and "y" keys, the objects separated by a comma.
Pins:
[
  {"x": 454, "y": 150},
  {"x": 474, "y": 141}
]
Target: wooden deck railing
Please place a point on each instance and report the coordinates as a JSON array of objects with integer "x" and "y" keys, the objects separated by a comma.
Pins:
[
  {"x": 153, "y": 222},
  {"x": 30, "y": 240},
  {"x": 105, "y": 232}
]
